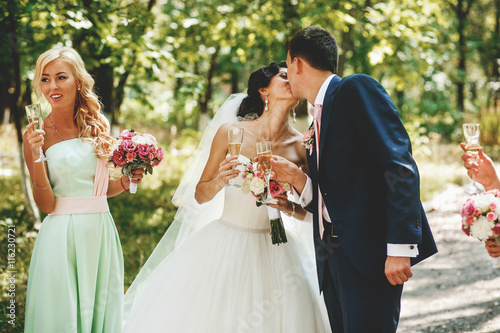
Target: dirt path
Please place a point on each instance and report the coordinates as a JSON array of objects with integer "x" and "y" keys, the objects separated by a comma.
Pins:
[{"x": 458, "y": 289}]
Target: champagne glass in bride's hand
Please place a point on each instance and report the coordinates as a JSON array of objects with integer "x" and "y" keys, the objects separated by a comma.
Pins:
[
  {"x": 264, "y": 154},
  {"x": 471, "y": 135},
  {"x": 34, "y": 113},
  {"x": 235, "y": 139}
]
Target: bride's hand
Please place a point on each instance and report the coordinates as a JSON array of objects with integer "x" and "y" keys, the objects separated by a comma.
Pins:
[
  {"x": 285, "y": 205},
  {"x": 227, "y": 169}
]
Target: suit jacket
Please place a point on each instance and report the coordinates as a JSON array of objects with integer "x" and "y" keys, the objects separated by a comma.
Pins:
[{"x": 368, "y": 178}]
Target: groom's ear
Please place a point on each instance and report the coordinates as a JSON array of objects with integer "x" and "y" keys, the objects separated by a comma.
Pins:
[{"x": 299, "y": 64}]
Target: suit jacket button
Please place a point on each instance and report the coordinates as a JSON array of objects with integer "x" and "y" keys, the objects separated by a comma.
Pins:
[
  {"x": 417, "y": 223},
  {"x": 412, "y": 247}
]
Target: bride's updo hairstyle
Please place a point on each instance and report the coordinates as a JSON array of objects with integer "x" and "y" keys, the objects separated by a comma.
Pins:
[{"x": 253, "y": 103}]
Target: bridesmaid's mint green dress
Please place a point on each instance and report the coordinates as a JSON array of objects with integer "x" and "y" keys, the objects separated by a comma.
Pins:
[{"x": 75, "y": 279}]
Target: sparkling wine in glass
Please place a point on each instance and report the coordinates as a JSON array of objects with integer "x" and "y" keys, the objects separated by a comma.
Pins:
[
  {"x": 264, "y": 154},
  {"x": 235, "y": 139},
  {"x": 34, "y": 113},
  {"x": 471, "y": 135}
]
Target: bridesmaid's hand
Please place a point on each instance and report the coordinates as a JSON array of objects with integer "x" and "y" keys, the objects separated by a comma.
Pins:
[
  {"x": 492, "y": 247},
  {"x": 35, "y": 139},
  {"x": 227, "y": 169},
  {"x": 483, "y": 168},
  {"x": 137, "y": 175}
]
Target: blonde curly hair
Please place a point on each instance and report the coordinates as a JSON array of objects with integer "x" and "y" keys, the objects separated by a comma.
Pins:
[{"x": 93, "y": 127}]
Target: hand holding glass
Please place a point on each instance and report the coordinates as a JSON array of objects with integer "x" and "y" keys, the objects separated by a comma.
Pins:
[
  {"x": 264, "y": 154},
  {"x": 34, "y": 113},
  {"x": 235, "y": 139},
  {"x": 471, "y": 135}
]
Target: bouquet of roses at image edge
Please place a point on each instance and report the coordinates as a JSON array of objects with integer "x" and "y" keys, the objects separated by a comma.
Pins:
[
  {"x": 255, "y": 183},
  {"x": 132, "y": 151},
  {"x": 480, "y": 215}
]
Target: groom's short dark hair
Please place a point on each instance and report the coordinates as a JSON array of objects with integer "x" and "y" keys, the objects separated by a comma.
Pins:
[{"x": 316, "y": 46}]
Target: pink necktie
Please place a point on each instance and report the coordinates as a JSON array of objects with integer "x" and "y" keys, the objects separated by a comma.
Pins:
[{"x": 316, "y": 113}]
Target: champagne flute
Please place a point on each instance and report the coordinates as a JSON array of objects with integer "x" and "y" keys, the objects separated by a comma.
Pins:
[
  {"x": 264, "y": 154},
  {"x": 471, "y": 135},
  {"x": 235, "y": 139},
  {"x": 34, "y": 113}
]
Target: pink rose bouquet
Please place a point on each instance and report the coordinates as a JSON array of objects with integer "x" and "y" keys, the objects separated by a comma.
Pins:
[
  {"x": 255, "y": 183},
  {"x": 480, "y": 215},
  {"x": 133, "y": 150}
]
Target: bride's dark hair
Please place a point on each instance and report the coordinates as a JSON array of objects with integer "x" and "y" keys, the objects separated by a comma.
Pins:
[{"x": 259, "y": 79}]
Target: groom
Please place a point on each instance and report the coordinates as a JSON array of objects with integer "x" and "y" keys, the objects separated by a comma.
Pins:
[{"x": 369, "y": 224}]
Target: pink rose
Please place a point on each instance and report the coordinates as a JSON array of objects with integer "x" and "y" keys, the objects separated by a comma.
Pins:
[
  {"x": 131, "y": 156},
  {"x": 118, "y": 158},
  {"x": 128, "y": 146},
  {"x": 275, "y": 188},
  {"x": 477, "y": 211},
  {"x": 127, "y": 135},
  {"x": 144, "y": 151},
  {"x": 496, "y": 230},
  {"x": 467, "y": 208},
  {"x": 493, "y": 206},
  {"x": 466, "y": 229},
  {"x": 159, "y": 157},
  {"x": 308, "y": 135},
  {"x": 470, "y": 220},
  {"x": 491, "y": 216}
]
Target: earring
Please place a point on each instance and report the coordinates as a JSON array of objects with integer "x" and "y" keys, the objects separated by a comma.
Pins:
[
  {"x": 79, "y": 88},
  {"x": 266, "y": 108},
  {"x": 294, "y": 115}
]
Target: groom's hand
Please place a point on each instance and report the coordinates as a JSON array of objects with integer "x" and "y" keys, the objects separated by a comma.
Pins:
[
  {"x": 398, "y": 270},
  {"x": 285, "y": 171}
]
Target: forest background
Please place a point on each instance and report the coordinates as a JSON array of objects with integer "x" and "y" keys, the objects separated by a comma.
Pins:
[{"x": 165, "y": 67}]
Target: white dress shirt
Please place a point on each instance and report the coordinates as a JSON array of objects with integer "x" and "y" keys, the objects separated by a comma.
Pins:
[{"x": 394, "y": 250}]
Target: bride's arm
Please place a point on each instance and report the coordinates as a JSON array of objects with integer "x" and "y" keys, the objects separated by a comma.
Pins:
[{"x": 218, "y": 170}]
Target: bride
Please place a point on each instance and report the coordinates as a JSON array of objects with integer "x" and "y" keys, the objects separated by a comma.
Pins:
[{"x": 216, "y": 269}]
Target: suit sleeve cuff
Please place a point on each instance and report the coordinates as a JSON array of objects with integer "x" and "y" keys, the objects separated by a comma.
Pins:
[
  {"x": 402, "y": 250},
  {"x": 307, "y": 194}
]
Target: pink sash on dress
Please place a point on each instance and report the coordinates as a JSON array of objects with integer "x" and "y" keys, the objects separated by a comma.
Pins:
[{"x": 87, "y": 205}]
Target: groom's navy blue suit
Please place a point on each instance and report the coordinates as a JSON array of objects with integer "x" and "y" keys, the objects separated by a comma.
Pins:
[{"x": 370, "y": 186}]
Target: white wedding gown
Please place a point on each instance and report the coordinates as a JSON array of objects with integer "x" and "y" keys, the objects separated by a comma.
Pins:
[{"x": 229, "y": 277}]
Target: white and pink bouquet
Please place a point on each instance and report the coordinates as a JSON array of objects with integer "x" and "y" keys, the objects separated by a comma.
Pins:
[
  {"x": 480, "y": 215},
  {"x": 132, "y": 151},
  {"x": 254, "y": 182}
]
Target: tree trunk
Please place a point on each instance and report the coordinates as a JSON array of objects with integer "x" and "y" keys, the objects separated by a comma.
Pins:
[
  {"x": 16, "y": 111},
  {"x": 204, "y": 99}
]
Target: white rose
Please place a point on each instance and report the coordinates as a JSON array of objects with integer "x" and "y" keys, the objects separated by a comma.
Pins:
[
  {"x": 117, "y": 145},
  {"x": 496, "y": 201},
  {"x": 139, "y": 139},
  {"x": 245, "y": 187},
  {"x": 150, "y": 140},
  {"x": 482, "y": 202},
  {"x": 257, "y": 186},
  {"x": 481, "y": 229}
]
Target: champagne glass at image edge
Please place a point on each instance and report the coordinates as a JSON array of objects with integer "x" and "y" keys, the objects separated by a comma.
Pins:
[
  {"x": 235, "y": 139},
  {"x": 471, "y": 136},
  {"x": 34, "y": 113},
  {"x": 264, "y": 154}
]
